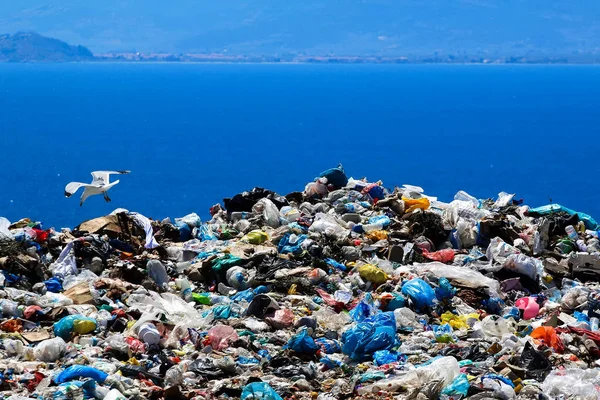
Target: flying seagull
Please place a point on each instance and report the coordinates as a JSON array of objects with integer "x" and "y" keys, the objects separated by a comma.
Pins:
[{"x": 100, "y": 185}]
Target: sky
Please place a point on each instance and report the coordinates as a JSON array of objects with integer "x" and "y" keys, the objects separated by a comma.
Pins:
[{"x": 316, "y": 27}]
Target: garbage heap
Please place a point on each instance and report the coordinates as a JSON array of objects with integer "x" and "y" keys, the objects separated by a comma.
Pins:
[{"x": 345, "y": 290}]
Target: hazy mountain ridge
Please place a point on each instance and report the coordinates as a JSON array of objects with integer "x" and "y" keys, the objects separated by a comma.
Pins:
[
  {"x": 338, "y": 27},
  {"x": 33, "y": 47}
]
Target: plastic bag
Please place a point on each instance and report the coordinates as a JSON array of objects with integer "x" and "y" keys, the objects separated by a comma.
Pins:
[
  {"x": 193, "y": 220},
  {"x": 221, "y": 336},
  {"x": 329, "y": 226},
  {"x": 445, "y": 291},
  {"x": 269, "y": 212},
  {"x": 459, "y": 321},
  {"x": 529, "y": 305},
  {"x": 335, "y": 176},
  {"x": 459, "y": 386},
  {"x": 375, "y": 333},
  {"x": 382, "y": 357},
  {"x": 445, "y": 255},
  {"x": 4, "y": 231},
  {"x": 238, "y": 278},
  {"x": 80, "y": 371},
  {"x": 523, "y": 264},
  {"x": 573, "y": 383},
  {"x": 74, "y": 324},
  {"x": 413, "y": 204},
  {"x": 549, "y": 337},
  {"x": 499, "y": 251},
  {"x": 291, "y": 243},
  {"x": 452, "y": 272},
  {"x": 443, "y": 333},
  {"x": 420, "y": 293},
  {"x": 372, "y": 274},
  {"x": 255, "y": 237},
  {"x": 259, "y": 391},
  {"x": 49, "y": 350},
  {"x": 302, "y": 343}
]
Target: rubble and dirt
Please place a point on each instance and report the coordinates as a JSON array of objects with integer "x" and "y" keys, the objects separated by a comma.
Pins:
[{"x": 347, "y": 289}]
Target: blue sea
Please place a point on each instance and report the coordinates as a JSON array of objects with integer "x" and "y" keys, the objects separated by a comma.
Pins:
[{"x": 194, "y": 133}]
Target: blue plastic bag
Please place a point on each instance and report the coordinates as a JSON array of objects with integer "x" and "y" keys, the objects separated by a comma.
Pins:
[
  {"x": 66, "y": 326},
  {"x": 54, "y": 285},
  {"x": 444, "y": 333},
  {"x": 302, "y": 343},
  {"x": 331, "y": 262},
  {"x": 363, "y": 310},
  {"x": 285, "y": 247},
  {"x": 445, "y": 291},
  {"x": 206, "y": 233},
  {"x": 328, "y": 346},
  {"x": 259, "y": 391},
  {"x": 335, "y": 176},
  {"x": 459, "y": 386},
  {"x": 493, "y": 305},
  {"x": 397, "y": 302},
  {"x": 420, "y": 293},
  {"x": 383, "y": 219},
  {"x": 185, "y": 232},
  {"x": 589, "y": 222},
  {"x": 383, "y": 357},
  {"x": 80, "y": 371},
  {"x": 376, "y": 333}
]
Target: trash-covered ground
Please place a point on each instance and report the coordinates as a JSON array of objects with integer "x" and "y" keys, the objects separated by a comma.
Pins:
[{"x": 344, "y": 290}]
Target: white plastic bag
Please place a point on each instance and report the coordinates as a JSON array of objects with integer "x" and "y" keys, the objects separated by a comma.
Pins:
[
  {"x": 573, "y": 383},
  {"x": 50, "y": 350},
  {"x": 269, "y": 212}
]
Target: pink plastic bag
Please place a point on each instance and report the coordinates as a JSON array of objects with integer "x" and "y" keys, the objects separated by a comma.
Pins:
[
  {"x": 531, "y": 307},
  {"x": 282, "y": 319},
  {"x": 221, "y": 335}
]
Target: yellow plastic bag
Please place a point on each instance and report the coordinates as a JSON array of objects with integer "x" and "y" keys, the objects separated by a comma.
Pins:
[
  {"x": 255, "y": 237},
  {"x": 83, "y": 326},
  {"x": 458, "y": 321},
  {"x": 376, "y": 236},
  {"x": 412, "y": 204},
  {"x": 372, "y": 274}
]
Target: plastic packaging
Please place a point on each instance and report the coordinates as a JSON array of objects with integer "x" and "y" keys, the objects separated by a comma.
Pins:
[
  {"x": 420, "y": 293},
  {"x": 259, "y": 391},
  {"x": 238, "y": 278},
  {"x": 302, "y": 343},
  {"x": 148, "y": 334},
  {"x": 372, "y": 274},
  {"x": 221, "y": 336},
  {"x": 71, "y": 324},
  {"x": 158, "y": 272},
  {"x": 49, "y": 350},
  {"x": 269, "y": 212},
  {"x": 80, "y": 371},
  {"x": 375, "y": 333}
]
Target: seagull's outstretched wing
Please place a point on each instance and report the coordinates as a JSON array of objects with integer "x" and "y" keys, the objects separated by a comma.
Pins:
[
  {"x": 73, "y": 187},
  {"x": 102, "y": 177}
]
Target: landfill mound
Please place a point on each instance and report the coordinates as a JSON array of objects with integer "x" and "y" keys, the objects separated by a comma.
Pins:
[{"x": 344, "y": 290}]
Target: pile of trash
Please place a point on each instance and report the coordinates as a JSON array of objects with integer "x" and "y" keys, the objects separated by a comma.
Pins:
[{"x": 347, "y": 289}]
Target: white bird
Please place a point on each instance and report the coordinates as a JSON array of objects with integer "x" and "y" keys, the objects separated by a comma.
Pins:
[{"x": 100, "y": 185}]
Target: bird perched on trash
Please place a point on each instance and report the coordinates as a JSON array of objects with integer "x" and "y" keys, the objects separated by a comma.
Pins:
[{"x": 100, "y": 185}]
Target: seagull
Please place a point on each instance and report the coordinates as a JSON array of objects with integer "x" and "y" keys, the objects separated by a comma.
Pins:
[{"x": 100, "y": 185}]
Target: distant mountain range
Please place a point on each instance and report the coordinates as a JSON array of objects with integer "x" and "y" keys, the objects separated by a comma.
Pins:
[
  {"x": 567, "y": 29},
  {"x": 31, "y": 47}
]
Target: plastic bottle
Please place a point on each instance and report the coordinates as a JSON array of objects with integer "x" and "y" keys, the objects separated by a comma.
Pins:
[
  {"x": 114, "y": 394},
  {"x": 186, "y": 290},
  {"x": 149, "y": 334},
  {"x": 158, "y": 272},
  {"x": 594, "y": 324},
  {"x": 571, "y": 232},
  {"x": 377, "y": 226}
]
